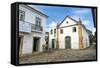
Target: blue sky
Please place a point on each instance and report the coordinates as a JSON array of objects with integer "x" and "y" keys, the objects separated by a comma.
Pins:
[{"x": 57, "y": 14}]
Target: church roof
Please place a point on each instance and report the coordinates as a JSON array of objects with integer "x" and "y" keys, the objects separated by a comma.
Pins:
[
  {"x": 69, "y": 18},
  {"x": 74, "y": 21}
]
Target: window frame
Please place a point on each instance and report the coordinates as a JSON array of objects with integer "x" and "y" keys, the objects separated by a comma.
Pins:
[
  {"x": 54, "y": 30},
  {"x": 51, "y": 31},
  {"x": 21, "y": 12},
  {"x": 38, "y": 21},
  {"x": 61, "y": 31},
  {"x": 74, "y": 29}
]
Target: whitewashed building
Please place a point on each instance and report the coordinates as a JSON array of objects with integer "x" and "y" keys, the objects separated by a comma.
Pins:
[
  {"x": 31, "y": 30},
  {"x": 68, "y": 34}
]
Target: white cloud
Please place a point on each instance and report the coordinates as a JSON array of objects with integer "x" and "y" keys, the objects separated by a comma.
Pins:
[
  {"x": 87, "y": 25},
  {"x": 53, "y": 24},
  {"x": 75, "y": 17},
  {"x": 82, "y": 11},
  {"x": 85, "y": 22}
]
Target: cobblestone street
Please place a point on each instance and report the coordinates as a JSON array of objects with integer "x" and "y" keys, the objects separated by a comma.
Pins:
[{"x": 60, "y": 55}]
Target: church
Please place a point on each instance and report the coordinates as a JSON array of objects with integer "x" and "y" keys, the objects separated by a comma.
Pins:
[{"x": 68, "y": 34}]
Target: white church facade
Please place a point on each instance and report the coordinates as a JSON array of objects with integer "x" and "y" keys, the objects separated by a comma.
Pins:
[
  {"x": 31, "y": 30},
  {"x": 69, "y": 33}
]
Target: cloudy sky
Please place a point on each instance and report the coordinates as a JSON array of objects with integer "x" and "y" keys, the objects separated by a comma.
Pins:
[{"x": 57, "y": 14}]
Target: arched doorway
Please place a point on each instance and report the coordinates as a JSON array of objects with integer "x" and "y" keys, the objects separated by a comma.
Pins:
[{"x": 67, "y": 42}]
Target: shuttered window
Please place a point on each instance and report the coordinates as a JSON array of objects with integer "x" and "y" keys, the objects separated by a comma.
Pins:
[
  {"x": 38, "y": 21},
  {"x": 21, "y": 15},
  {"x": 61, "y": 31},
  {"x": 51, "y": 31},
  {"x": 54, "y": 30},
  {"x": 74, "y": 29}
]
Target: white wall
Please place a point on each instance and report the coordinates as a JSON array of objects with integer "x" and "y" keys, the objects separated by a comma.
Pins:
[
  {"x": 85, "y": 38},
  {"x": 27, "y": 44},
  {"x": 68, "y": 32}
]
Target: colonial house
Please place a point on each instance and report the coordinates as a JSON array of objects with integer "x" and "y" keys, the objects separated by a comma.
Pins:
[
  {"x": 31, "y": 30},
  {"x": 69, "y": 33}
]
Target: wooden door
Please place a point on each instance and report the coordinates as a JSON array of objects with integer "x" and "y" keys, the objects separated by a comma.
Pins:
[{"x": 67, "y": 42}]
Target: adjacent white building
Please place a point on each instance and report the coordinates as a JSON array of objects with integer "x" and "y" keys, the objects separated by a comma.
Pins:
[
  {"x": 68, "y": 34},
  {"x": 31, "y": 30}
]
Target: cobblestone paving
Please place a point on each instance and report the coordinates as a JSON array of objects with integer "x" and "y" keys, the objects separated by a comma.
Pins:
[{"x": 60, "y": 55}]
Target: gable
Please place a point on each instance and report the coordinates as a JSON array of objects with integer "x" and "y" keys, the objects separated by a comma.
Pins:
[{"x": 67, "y": 22}]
